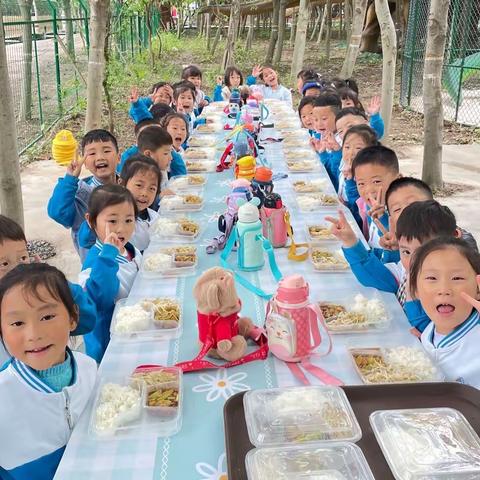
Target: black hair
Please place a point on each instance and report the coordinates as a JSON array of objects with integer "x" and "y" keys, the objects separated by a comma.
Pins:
[
  {"x": 139, "y": 163},
  {"x": 159, "y": 110},
  {"x": 327, "y": 99},
  {"x": 402, "y": 182},
  {"x": 366, "y": 132},
  {"x": 191, "y": 71},
  {"x": 228, "y": 72},
  {"x": 308, "y": 100},
  {"x": 271, "y": 68},
  {"x": 10, "y": 230},
  {"x": 308, "y": 74},
  {"x": 308, "y": 84},
  {"x": 144, "y": 123},
  {"x": 425, "y": 220},
  {"x": 107, "y": 196},
  {"x": 152, "y": 138},
  {"x": 357, "y": 112},
  {"x": 98, "y": 135},
  {"x": 345, "y": 83},
  {"x": 168, "y": 118},
  {"x": 376, "y": 155},
  {"x": 440, "y": 243},
  {"x": 33, "y": 276},
  {"x": 182, "y": 87},
  {"x": 158, "y": 85},
  {"x": 349, "y": 94}
]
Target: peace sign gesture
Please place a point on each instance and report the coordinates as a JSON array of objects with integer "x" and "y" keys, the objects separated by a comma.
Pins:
[
  {"x": 389, "y": 240},
  {"x": 75, "y": 167},
  {"x": 475, "y": 303},
  {"x": 377, "y": 208},
  {"x": 342, "y": 229}
]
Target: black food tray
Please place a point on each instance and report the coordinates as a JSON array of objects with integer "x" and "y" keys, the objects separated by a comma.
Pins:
[{"x": 364, "y": 399}]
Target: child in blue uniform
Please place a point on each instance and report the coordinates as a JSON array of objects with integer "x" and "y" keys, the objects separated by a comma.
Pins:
[
  {"x": 44, "y": 387},
  {"x": 176, "y": 125},
  {"x": 112, "y": 263},
  {"x": 445, "y": 278},
  {"x": 69, "y": 200},
  {"x": 13, "y": 251}
]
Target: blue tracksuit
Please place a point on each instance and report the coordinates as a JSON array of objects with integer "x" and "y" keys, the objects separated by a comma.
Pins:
[
  {"x": 376, "y": 122},
  {"x": 416, "y": 315},
  {"x": 331, "y": 162},
  {"x": 352, "y": 195},
  {"x": 140, "y": 110}
]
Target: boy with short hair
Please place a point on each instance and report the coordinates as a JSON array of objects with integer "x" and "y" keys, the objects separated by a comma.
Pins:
[
  {"x": 69, "y": 201},
  {"x": 13, "y": 251},
  {"x": 325, "y": 108},
  {"x": 142, "y": 108},
  {"x": 348, "y": 117}
]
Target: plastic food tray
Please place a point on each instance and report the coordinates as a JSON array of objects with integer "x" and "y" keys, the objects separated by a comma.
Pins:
[
  {"x": 308, "y": 202},
  {"x": 342, "y": 461},
  {"x": 167, "y": 203},
  {"x": 300, "y": 415},
  {"x": 200, "y": 166},
  {"x": 300, "y": 165},
  {"x": 161, "y": 330},
  {"x": 333, "y": 251},
  {"x": 305, "y": 184},
  {"x": 199, "y": 153},
  {"x": 187, "y": 182},
  {"x": 320, "y": 231},
  {"x": 364, "y": 400},
  {"x": 160, "y": 233},
  {"x": 207, "y": 140},
  {"x": 436, "y": 443},
  {"x": 176, "y": 267}
]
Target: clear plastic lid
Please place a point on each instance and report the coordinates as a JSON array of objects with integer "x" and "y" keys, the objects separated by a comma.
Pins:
[
  {"x": 199, "y": 153},
  {"x": 177, "y": 260},
  {"x": 339, "y": 461},
  {"x": 396, "y": 364},
  {"x": 355, "y": 314},
  {"x": 140, "y": 405},
  {"x": 299, "y": 153},
  {"x": 208, "y": 128},
  {"x": 302, "y": 165},
  {"x": 320, "y": 231},
  {"x": 187, "y": 202},
  {"x": 328, "y": 257},
  {"x": 307, "y": 184},
  {"x": 200, "y": 165},
  {"x": 299, "y": 415},
  {"x": 175, "y": 229},
  {"x": 146, "y": 319},
  {"x": 300, "y": 141},
  {"x": 427, "y": 443},
  {"x": 187, "y": 182},
  {"x": 307, "y": 202},
  {"x": 208, "y": 140}
]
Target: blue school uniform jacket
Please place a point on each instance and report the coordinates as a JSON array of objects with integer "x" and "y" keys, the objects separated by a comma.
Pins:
[
  {"x": 106, "y": 276},
  {"x": 331, "y": 162},
  {"x": 36, "y": 422},
  {"x": 376, "y": 122},
  {"x": 140, "y": 110}
]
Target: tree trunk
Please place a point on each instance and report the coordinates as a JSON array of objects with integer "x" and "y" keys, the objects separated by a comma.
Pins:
[
  {"x": 99, "y": 14},
  {"x": 208, "y": 27},
  {"x": 360, "y": 8},
  {"x": 67, "y": 8},
  {"x": 11, "y": 203},
  {"x": 348, "y": 19},
  {"x": 26, "y": 105},
  {"x": 293, "y": 27},
  {"x": 389, "y": 48},
  {"x": 228, "y": 56},
  {"x": 273, "y": 33},
  {"x": 217, "y": 36},
  {"x": 281, "y": 32},
  {"x": 179, "y": 21},
  {"x": 432, "y": 93},
  {"x": 300, "y": 38},
  {"x": 251, "y": 26},
  {"x": 329, "y": 29},
  {"x": 316, "y": 25},
  {"x": 322, "y": 25}
]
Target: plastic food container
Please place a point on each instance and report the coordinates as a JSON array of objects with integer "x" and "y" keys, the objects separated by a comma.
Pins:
[
  {"x": 208, "y": 128},
  {"x": 299, "y": 153},
  {"x": 165, "y": 319},
  {"x": 308, "y": 202},
  {"x": 341, "y": 461},
  {"x": 327, "y": 257},
  {"x": 200, "y": 166},
  {"x": 320, "y": 231},
  {"x": 306, "y": 184},
  {"x": 394, "y": 365},
  {"x": 181, "y": 260},
  {"x": 427, "y": 443},
  {"x": 299, "y": 415},
  {"x": 302, "y": 165},
  {"x": 175, "y": 229},
  {"x": 187, "y": 182},
  {"x": 199, "y": 153},
  {"x": 187, "y": 202},
  {"x": 356, "y": 314},
  {"x": 203, "y": 141}
]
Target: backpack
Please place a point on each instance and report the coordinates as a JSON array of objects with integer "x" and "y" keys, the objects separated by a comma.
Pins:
[{"x": 294, "y": 329}]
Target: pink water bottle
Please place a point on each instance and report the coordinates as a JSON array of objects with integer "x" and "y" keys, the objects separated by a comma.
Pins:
[{"x": 273, "y": 216}]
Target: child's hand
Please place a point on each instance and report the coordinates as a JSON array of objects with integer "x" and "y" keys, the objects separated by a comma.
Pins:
[
  {"x": 474, "y": 302},
  {"x": 377, "y": 209},
  {"x": 331, "y": 143},
  {"x": 166, "y": 192},
  {"x": 203, "y": 103},
  {"x": 257, "y": 70},
  {"x": 75, "y": 167},
  {"x": 388, "y": 241},
  {"x": 374, "y": 106},
  {"x": 342, "y": 230},
  {"x": 347, "y": 171},
  {"x": 318, "y": 144},
  {"x": 219, "y": 80},
  {"x": 415, "y": 332},
  {"x": 111, "y": 238},
  {"x": 133, "y": 95}
]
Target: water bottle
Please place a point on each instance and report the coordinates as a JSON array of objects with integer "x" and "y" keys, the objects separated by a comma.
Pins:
[
  {"x": 249, "y": 229},
  {"x": 273, "y": 219}
]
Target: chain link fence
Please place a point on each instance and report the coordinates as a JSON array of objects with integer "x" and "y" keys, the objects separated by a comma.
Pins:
[
  {"x": 461, "y": 70},
  {"x": 47, "y": 45}
]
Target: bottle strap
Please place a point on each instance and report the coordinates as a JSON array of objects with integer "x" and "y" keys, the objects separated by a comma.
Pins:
[
  {"x": 318, "y": 319},
  {"x": 292, "y": 251},
  {"x": 320, "y": 373}
]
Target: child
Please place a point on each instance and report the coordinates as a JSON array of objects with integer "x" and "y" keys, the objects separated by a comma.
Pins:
[
  {"x": 68, "y": 203},
  {"x": 356, "y": 138},
  {"x": 374, "y": 169},
  {"x": 142, "y": 108},
  {"x": 303, "y": 76},
  {"x": 184, "y": 100},
  {"x": 44, "y": 387},
  {"x": 346, "y": 118},
  {"x": 350, "y": 83},
  {"x": 177, "y": 126},
  {"x": 305, "y": 111},
  {"x": 349, "y": 98},
  {"x": 141, "y": 176},
  {"x": 445, "y": 278},
  {"x": 418, "y": 223},
  {"x": 325, "y": 108},
  {"x": 271, "y": 87},
  {"x": 233, "y": 78},
  {"x": 194, "y": 75},
  {"x": 112, "y": 263},
  {"x": 313, "y": 88},
  {"x": 13, "y": 252}
]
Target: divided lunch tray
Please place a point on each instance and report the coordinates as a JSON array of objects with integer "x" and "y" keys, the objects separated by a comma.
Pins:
[{"x": 364, "y": 400}]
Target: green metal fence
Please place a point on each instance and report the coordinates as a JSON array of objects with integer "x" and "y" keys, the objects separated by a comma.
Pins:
[
  {"x": 461, "y": 72},
  {"x": 47, "y": 52}
]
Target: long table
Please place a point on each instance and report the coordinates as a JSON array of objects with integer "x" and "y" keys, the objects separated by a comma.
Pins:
[{"x": 198, "y": 450}]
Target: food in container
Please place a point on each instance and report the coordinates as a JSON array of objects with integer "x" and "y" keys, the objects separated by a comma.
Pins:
[
  {"x": 310, "y": 201},
  {"x": 327, "y": 259},
  {"x": 166, "y": 311},
  {"x": 132, "y": 318},
  {"x": 309, "y": 186}
]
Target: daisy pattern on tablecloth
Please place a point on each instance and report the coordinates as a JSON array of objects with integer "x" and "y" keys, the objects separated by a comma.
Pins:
[
  {"x": 211, "y": 473},
  {"x": 221, "y": 385}
]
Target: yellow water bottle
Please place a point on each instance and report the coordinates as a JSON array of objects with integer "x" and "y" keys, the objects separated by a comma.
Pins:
[{"x": 64, "y": 147}]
